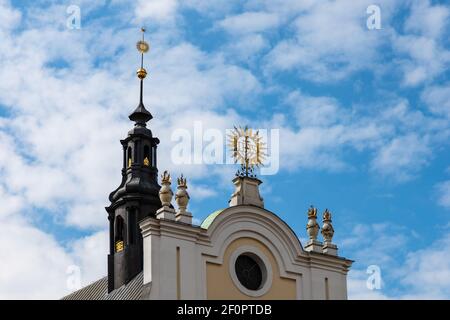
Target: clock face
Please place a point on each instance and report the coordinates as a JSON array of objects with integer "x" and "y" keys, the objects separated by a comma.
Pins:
[{"x": 248, "y": 272}]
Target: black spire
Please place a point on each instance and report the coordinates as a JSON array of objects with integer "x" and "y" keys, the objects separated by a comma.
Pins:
[
  {"x": 137, "y": 195},
  {"x": 140, "y": 115}
]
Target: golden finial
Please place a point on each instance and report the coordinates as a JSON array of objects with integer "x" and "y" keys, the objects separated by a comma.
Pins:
[
  {"x": 165, "y": 177},
  {"x": 143, "y": 47},
  {"x": 312, "y": 212},
  {"x": 327, "y": 215},
  {"x": 182, "y": 181},
  {"x": 247, "y": 148}
]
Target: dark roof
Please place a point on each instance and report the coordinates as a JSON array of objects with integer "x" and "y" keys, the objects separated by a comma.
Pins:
[{"x": 98, "y": 290}]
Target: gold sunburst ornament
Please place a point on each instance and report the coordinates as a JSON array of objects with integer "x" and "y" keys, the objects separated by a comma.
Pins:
[
  {"x": 143, "y": 47},
  {"x": 248, "y": 149}
]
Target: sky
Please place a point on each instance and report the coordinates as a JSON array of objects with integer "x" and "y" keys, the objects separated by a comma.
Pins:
[{"x": 363, "y": 116}]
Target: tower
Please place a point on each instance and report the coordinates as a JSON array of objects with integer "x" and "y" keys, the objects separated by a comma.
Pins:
[{"x": 137, "y": 195}]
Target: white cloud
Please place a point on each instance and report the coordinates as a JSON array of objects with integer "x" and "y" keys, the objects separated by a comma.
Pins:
[
  {"x": 427, "y": 59},
  {"x": 9, "y": 17},
  {"x": 90, "y": 254},
  {"x": 201, "y": 192},
  {"x": 200, "y": 81},
  {"x": 249, "y": 22},
  {"x": 330, "y": 41},
  {"x": 376, "y": 243},
  {"x": 284, "y": 8},
  {"x": 402, "y": 157},
  {"x": 11, "y": 204},
  {"x": 212, "y": 9},
  {"x": 443, "y": 190},
  {"x": 159, "y": 10},
  {"x": 427, "y": 272},
  {"x": 315, "y": 111},
  {"x": 34, "y": 265},
  {"x": 247, "y": 48},
  {"x": 317, "y": 129},
  {"x": 357, "y": 287},
  {"x": 429, "y": 20},
  {"x": 405, "y": 274},
  {"x": 87, "y": 215},
  {"x": 437, "y": 99}
]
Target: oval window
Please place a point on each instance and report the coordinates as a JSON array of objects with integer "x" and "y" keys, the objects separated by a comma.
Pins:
[{"x": 249, "y": 272}]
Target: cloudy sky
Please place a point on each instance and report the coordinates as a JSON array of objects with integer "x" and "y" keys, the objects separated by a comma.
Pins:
[{"x": 364, "y": 119}]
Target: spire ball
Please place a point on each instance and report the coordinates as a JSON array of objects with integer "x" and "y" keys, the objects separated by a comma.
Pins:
[{"x": 141, "y": 73}]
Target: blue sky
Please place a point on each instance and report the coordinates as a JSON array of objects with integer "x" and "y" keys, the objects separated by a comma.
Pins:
[{"x": 364, "y": 119}]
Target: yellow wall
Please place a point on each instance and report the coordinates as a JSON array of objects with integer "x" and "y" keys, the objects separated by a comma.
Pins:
[{"x": 221, "y": 286}]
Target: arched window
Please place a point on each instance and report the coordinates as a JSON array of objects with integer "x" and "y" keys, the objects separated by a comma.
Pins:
[
  {"x": 119, "y": 234},
  {"x": 146, "y": 156},
  {"x": 129, "y": 160},
  {"x": 136, "y": 148},
  {"x": 131, "y": 225},
  {"x": 154, "y": 156}
]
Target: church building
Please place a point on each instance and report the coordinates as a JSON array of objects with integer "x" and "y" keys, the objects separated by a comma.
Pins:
[{"x": 243, "y": 251}]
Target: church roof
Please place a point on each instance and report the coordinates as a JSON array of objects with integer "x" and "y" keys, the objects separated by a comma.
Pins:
[
  {"x": 98, "y": 290},
  {"x": 209, "y": 219}
]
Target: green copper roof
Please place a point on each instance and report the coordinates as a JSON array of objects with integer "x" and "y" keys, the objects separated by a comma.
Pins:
[{"x": 209, "y": 219}]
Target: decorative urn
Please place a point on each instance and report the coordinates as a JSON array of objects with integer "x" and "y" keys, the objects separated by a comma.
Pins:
[{"x": 165, "y": 193}]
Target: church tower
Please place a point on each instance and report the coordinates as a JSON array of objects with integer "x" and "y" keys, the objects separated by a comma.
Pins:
[{"x": 137, "y": 196}]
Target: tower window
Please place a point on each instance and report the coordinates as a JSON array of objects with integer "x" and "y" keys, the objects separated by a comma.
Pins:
[
  {"x": 146, "y": 156},
  {"x": 129, "y": 160},
  {"x": 136, "y": 147},
  {"x": 131, "y": 225},
  {"x": 154, "y": 156},
  {"x": 119, "y": 234}
]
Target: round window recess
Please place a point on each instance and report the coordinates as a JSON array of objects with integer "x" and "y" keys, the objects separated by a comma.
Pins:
[
  {"x": 251, "y": 271},
  {"x": 248, "y": 272}
]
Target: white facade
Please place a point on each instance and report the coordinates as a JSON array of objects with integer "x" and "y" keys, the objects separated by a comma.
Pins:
[{"x": 177, "y": 257}]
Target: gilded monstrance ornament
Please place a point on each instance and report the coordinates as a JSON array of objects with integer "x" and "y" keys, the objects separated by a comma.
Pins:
[{"x": 248, "y": 149}]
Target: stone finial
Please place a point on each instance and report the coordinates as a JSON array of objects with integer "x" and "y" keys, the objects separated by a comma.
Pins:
[
  {"x": 312, "y": 227},
  {"x": 182, "y": 199},
  {"x": 327, "y": 233},
  {"x": 327, "y": 228},
  {"x": 182, "y": 196},
  {"x": 165, "y": 195}
]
